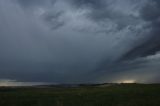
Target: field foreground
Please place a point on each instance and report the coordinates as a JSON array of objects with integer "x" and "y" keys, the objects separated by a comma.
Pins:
[{"x": 116, "y": 95}]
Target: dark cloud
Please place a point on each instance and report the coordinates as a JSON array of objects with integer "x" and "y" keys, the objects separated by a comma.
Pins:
[
  {"x": 94, "y": 4},
  {"x": 150, "y": 13},
  {"x": 79, "y": 40},
  {"x": 28, "y": 3},
  {"x": 54, "y": 19},
  {"x": 102, "y": 11}
]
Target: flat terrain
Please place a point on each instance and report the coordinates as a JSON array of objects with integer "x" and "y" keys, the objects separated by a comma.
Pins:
[{"x": 115, "y": 95}]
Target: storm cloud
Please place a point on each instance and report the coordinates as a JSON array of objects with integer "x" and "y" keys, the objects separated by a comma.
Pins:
[{"x": 79, "y": 41}]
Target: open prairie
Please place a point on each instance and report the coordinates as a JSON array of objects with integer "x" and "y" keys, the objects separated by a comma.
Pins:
[{"x": 115, "y": 95}]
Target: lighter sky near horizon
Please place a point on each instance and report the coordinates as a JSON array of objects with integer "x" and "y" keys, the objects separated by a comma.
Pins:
[{"x": 80, "y": 41}]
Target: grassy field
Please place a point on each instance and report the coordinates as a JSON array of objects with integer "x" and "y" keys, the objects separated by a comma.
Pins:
[{"x": 116, "y": 95}]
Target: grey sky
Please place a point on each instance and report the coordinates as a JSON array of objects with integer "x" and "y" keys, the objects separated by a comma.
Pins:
[{"x": 79, "y": 41}]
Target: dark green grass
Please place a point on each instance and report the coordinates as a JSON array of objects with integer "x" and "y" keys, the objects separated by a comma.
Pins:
[{"x": 117, "y": 95}]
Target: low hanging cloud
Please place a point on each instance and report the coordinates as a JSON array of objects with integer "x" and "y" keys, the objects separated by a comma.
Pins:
[{"x": 79, "y": 40}]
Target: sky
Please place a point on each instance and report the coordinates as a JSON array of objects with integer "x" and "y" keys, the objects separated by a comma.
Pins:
[{"x": 80, "y": 41}]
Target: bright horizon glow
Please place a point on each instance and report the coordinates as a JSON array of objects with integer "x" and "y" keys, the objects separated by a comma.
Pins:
[{"x": 127, "y": 81}]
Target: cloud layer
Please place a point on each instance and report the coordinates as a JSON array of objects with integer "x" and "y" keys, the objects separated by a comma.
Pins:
[{"x": 78, "y": 41}]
